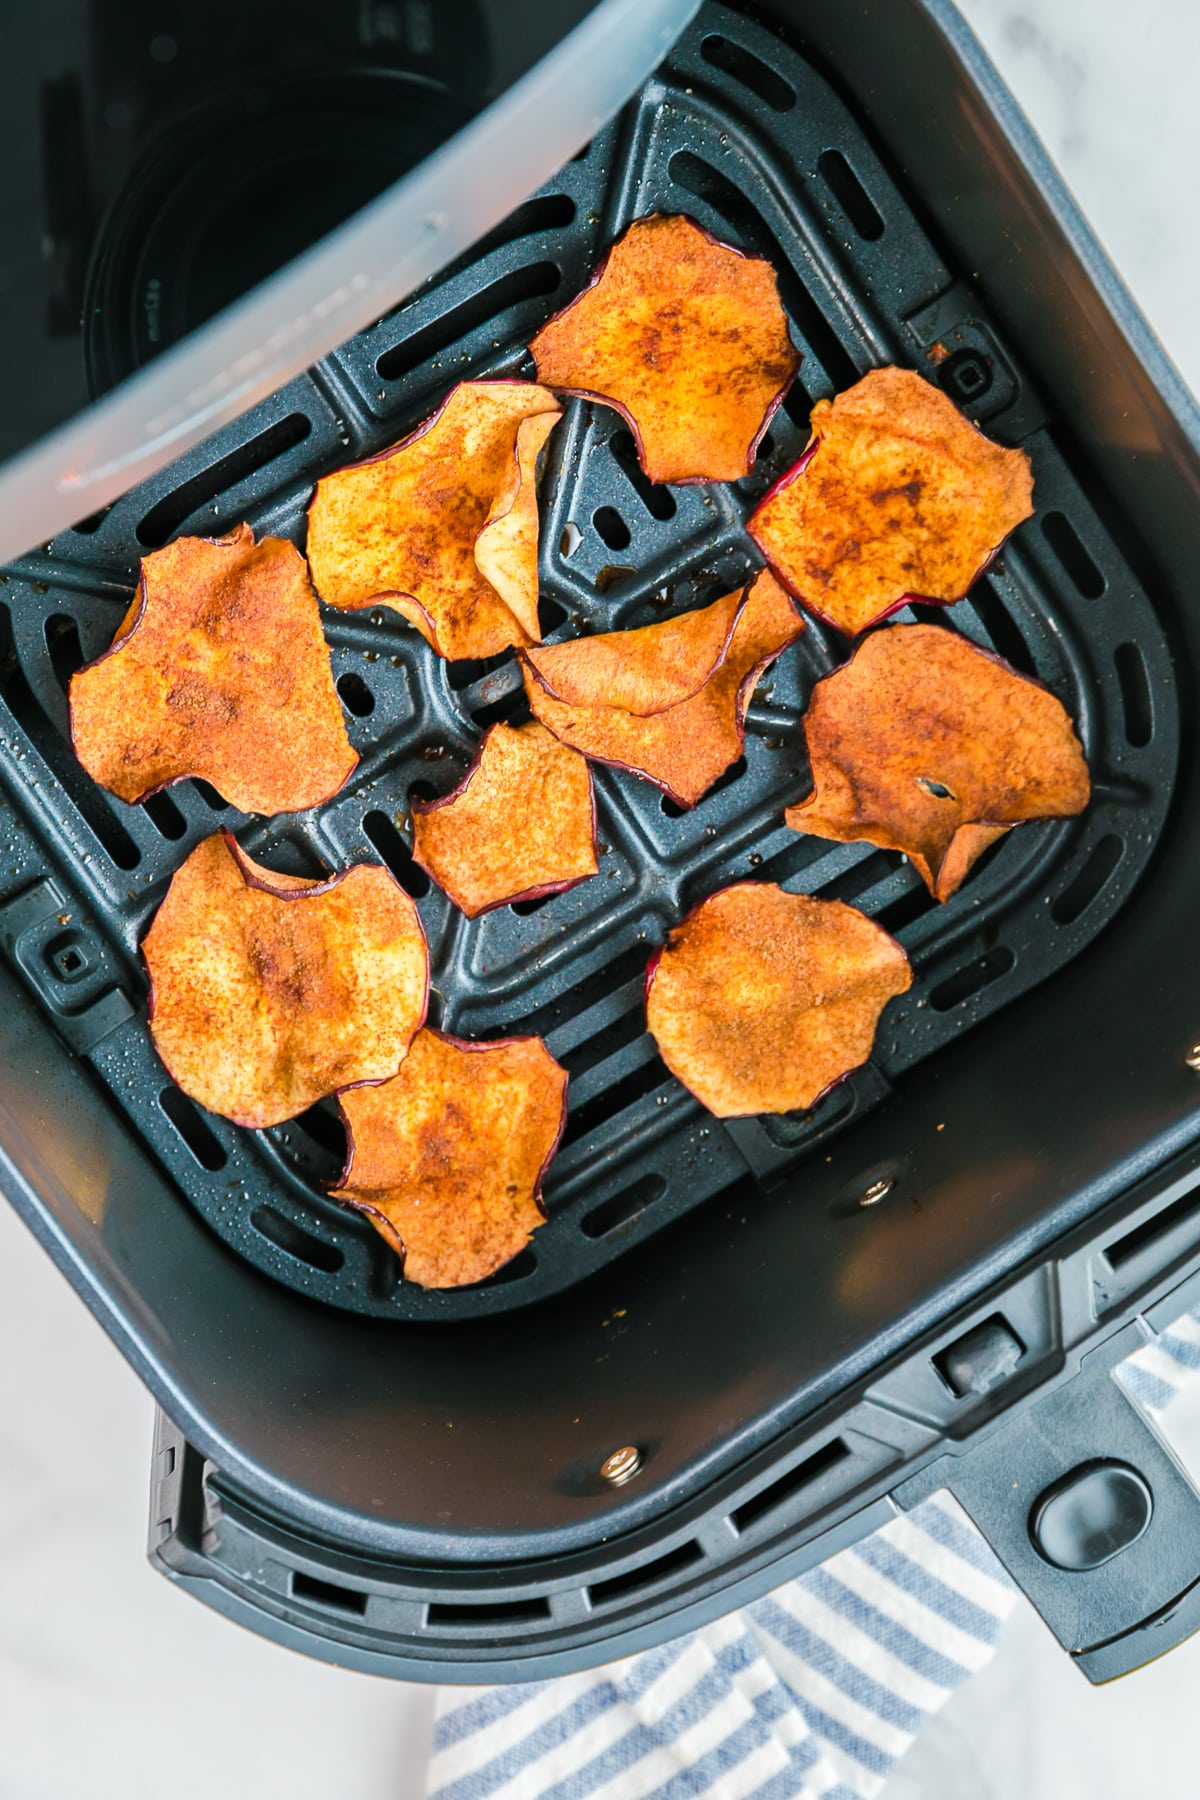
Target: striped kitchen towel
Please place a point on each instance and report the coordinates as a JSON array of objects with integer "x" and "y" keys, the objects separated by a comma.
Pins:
[{"x": 815, "y": 1690}]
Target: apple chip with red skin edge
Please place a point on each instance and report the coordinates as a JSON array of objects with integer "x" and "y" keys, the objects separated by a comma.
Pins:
[
  {"x": 219, "y": 669},
  {"x": 447, "y": 1158},
  {"x": 686, "y": 744},
  {"x": 443, "y": 526},
  {"x": 269, "y": 991},
  {"x": 924, "y": 743},
  {"x": 761, "y": 1000},
  {"x": 898, "y": 497},
  {"x": 642, "y": 671},
  {"x": 521, "y": 824},
  {"x": 686, "y": 337}
]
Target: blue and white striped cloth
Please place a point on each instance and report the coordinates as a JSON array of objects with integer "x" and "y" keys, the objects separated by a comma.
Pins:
[{"x": 816, "y": 1690}]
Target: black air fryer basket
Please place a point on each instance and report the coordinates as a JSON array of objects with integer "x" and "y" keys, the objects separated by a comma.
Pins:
[{"x": 793, "y": 1325}]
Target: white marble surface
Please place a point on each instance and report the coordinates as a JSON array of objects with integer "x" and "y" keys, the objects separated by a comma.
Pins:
[{"x": 116, "y": 1687}]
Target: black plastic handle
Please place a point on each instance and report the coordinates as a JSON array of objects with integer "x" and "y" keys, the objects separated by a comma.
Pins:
[{"x": 1106, "y": 1545}]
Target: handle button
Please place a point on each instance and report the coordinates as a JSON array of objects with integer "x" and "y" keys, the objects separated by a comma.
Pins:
[{"x": 1090, "y": 1515}]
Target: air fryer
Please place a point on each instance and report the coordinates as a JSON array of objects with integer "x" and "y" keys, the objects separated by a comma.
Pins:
[{"x": 734, "y": 1347}]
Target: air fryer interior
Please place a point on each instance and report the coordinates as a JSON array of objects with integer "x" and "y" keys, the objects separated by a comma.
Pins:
[{"x": 699, "y": 1331}]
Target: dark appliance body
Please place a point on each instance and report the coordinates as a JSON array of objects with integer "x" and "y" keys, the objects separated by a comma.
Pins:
[{"x": 798, "y": 1323}]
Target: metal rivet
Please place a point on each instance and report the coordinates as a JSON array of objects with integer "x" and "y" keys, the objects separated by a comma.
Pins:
[
  {"x": 877, "y": 1191},
  {"x": 1192, "y": 1059},
  {"x": 621, "y": 1466}
]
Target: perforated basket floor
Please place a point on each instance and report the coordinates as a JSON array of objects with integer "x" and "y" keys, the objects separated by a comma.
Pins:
[{"x": 744, "y": 135}]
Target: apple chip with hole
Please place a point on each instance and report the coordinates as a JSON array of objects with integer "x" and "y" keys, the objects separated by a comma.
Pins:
[
  {"x": 924, "y": 743},
  {"x": 521, "y": 824},
  {"x": 677, "y": 720},
  {"x": 444, "y": 526},
  {"x": 687, "y": 338},
  {"x": 447, "y": 1158},
  {"x": 219, "y": 670},
  {"x": 898, "y": 497},
  {"x": 761, "y": 1000},
  {"x": 269, "y": 991}
]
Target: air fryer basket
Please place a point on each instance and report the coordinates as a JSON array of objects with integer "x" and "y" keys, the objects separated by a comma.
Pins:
[{"x": 417, "y": 1489}]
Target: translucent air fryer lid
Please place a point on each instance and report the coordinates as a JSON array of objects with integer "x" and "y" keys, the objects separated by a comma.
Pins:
[{"x": 195, "y": 205}]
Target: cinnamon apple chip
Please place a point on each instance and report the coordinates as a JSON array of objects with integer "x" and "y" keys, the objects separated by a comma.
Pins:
[
  {"x": 443, "y": 526},
  {"x": 521, "y": 823},
  {"x": 924, "y": 743},
  {"x": 642, "y": 671},
  {"x": 220, "y": 670},
  {"x": 687, "y": 338},
  {"x": 762, "y": 1000},
  {"x": 269, "y": 991},
  {"x": 688, "y": 742},
  {"x": 447, "y": 1158},
  {"x": 897, "y": 497}
]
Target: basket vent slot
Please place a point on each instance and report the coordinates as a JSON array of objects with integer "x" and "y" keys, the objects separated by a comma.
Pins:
[
  {"x": 355, "y": 695},
  {"x": 465, "y": 671},
  {"x": 488, "y": 1612},
  {"x": 908, "y": 908},
  {"x": 722, "y": 53},
  {"x": 168, "y": 514},
  {"x": 793, "y": 856},
  {"x": 657, "y": 499},
  {"x": 602, "y": 1044},
  {"x": 619, "y": 1209},
  {"x": 396, "y": 854},
  {"x": 611, "y": 528},
  {"x": 1094, "y": 876},
  {"x": 850, "y": 194},
  {"x": 972, "y": 978},
  {"x": 1008, "y": 640},
  {"x": 862, "y": 876},
  {"x": 204, "y": 1145},
  {"x": 613, "y": 1100},
  {"x": 293, "y": 1240},
  {"x": 545, "y": 212},
  {"x": 1136, "y": 698},
  {"x": 64, "y": 647},
  {"x": 327, "y": 1593},
  {"x": 209, "y": 794},
  {"x": 821, "y": 1463},
  {"x": 534, "y": 282},
  {"x": 534, "y": 903},
  {"x": 619, "y": 1587},
  {"x": 323, "y": 1125},
  {"x": 1153, "y": 1230},
  {"x": 165, "y": 816},
  {"x": 1068, "y": 547},
  {"x": 520, "y": 1268}
]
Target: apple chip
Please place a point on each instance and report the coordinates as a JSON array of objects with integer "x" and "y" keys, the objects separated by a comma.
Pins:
[
  {"x": 897, "y": 497},
  {"x": 506, "y": 550},
  {"x": 443, "y": 526},
  {"x": 642, "y": 671},
  {"x": 762, "y": 1000},
  {"x": 687, "y": 338},
  {"x": 447, "y": 1158},
  {"x": 688, "y": 742},
  {"x": 520, "y": 824},
  {"x": 220, "y": 670},
  {"x": 268, "y": 991},
  {"x": 926, "y": 744}
]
